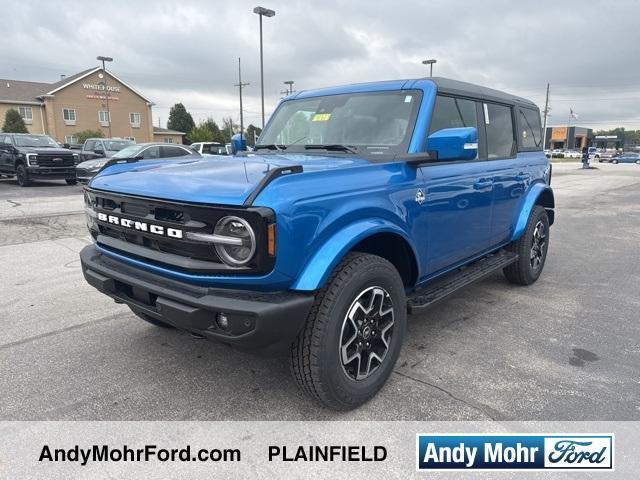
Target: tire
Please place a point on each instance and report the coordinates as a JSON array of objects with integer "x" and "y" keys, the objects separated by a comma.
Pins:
[
  {"x": 528, "y": 268},
  {"x": 614, "y": 161},
  {"x": 22, "y": 175},
  {"x": 151, "y": 320},
  {"x": 71, "y": 181},
  {"x": 327, "y": 356}
]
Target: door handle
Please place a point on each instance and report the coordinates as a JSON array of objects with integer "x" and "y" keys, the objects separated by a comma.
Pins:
[
  {"x": 482, "y": 184},
  {"x": 523, "y": 177}
]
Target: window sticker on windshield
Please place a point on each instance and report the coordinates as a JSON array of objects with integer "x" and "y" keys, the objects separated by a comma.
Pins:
[
  {"x": 407, "y": 99},
  {"x": 321, "y": 117}
]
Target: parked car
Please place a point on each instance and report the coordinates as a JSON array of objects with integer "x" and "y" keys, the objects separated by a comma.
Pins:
[
  {"x": 594, "y": 153},
  {"x": 102, "y": 147},
  {"x": 36, "y": 157},
  {"x": 138, "y": 151},
  {"x": 209, "y": 148},
  {"x": 608, "y": 156},
  {"x": 572, "y": 154},
  {"x": 360, "y": 205},
  {"x": 630, "y": 157},
  {"x": 547, "y": 153}
]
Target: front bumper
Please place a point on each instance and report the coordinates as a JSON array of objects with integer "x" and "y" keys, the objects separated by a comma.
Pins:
[
  {"x": 52, "y": 173},
  {"x": 257, "y": 320}
]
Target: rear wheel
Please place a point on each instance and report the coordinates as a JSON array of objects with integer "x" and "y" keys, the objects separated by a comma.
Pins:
[
  {"x": 22, "y": 176},
  {"x": 353, "y": 334},
  {"x": 150, "y": 319},
  {"x": 614, "y": 161},
  {"x": 531, "y": 248}
]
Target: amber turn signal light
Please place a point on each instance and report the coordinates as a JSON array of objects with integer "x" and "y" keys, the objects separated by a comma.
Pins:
[{"x": 271, "y": 239}]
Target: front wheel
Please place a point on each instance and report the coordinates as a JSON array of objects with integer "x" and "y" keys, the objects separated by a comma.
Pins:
[
  {"x": 22, "y": 176},
  {"x": 353, "y": 334},
  {"x": 614, "y": 161},
  {"x": 531, "y": 247}
]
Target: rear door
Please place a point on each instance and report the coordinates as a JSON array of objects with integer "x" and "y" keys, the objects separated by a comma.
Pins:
[
  {"x": 514, "y": 140},
  {"x": 458, "y": 195}
]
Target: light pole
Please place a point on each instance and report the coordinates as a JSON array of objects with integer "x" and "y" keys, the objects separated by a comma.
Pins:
[
  {"x": 106, "y": 92},
  {"x": 262, "y": 12},
  {"x": 430, "y": 62},
  {"x": 289, "y": 84}
]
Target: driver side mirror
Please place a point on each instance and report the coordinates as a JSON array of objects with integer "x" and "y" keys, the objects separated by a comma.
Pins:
[
  {"x": 454, "y": 143},
  {"x": 98, "y": 151}
]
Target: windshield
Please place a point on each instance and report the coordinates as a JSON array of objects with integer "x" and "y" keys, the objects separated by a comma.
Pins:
[
  {"x": 129, "y": 152},
  {"x": 35, "y": 141},
  {"x": 117, "y": 145},
  {"x": 373, "y": 122}
]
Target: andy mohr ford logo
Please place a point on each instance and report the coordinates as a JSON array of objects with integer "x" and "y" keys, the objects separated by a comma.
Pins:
[{"x": 140, "y": 226}]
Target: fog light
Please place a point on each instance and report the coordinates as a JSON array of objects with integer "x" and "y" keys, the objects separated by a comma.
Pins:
[{"x": 223, "y": 321}]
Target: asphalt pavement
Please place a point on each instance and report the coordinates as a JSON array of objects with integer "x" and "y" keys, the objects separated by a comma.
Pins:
[{"x": 565, "y": 348}]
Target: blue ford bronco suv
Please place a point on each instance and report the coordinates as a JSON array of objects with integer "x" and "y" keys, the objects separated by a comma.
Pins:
[{"x": 359, "y": 205}]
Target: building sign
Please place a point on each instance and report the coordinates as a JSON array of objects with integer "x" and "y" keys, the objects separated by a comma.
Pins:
[
  {"x": 100, "y": 87},
  {"x": 606, "y": 137},
  {"x": 559, "y": 133}
]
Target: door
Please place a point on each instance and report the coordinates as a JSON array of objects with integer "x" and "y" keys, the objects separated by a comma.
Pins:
[
  {"x": 510, "y": 169},
  {"x": 458, "y": 195},
  {"x": 6, "y": 153}
]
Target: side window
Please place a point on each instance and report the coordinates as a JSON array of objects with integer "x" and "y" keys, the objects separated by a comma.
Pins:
[
  {"x": 499, "y": 127},
  {"x": 7, "y": 140},
  {"x": 451, "y": 112},
  {"x": 166, "y": 152},
  {"x": 90, "y": 145},
  {"x": 529, "y": 129},
  {"x": 151, "y": 152}
]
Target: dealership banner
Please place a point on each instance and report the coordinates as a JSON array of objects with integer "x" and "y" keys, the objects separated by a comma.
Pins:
[{"x": 345, "y": 449}]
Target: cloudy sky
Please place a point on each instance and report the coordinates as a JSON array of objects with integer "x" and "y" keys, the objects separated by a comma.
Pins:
[{"x": 187, "y": 51}]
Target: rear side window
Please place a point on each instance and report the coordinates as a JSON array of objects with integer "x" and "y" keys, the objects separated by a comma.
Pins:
[
  {"x": 166, "y": 152},
  {"x": 499, "y": 128},
  {"x": 529, "y": 129}
]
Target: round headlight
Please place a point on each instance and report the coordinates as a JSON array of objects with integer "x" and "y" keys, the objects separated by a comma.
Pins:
[{"x": 237, "y": 240}]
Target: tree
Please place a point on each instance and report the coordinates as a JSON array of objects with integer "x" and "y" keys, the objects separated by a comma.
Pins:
[
  {"x": 86, "y": 134},
  {"x": 207, "y": 131},
  {"x": 228, "y": 126},
  {"x": 252, "y": 134},
  {"x": 13, "y": 122},
  {"x": 179, "y": 119}
]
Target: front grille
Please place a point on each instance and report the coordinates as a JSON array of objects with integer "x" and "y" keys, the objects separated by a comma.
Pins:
[
  {"x": 53, "y": 160},
  {"x": 177, "y": 253}
]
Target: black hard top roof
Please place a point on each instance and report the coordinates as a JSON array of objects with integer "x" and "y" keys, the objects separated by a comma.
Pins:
[{"x": 456, "y": 87}]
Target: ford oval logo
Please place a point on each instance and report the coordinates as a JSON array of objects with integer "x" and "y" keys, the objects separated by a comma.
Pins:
[{"x": 57, "y": 159}]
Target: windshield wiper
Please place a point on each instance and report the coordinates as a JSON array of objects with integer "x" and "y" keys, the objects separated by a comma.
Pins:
[
  {"x": 332, "y": 147},
  {"x": 271, "y": 146}
]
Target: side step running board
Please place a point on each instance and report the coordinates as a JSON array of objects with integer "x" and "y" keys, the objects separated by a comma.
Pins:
[{"x": 459, "y": 278}]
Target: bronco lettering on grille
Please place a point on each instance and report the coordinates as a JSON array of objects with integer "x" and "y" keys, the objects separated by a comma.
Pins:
[{"x": 140, "y": 226}]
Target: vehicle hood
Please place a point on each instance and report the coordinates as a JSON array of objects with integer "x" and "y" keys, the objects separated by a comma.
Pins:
[
  {"x": 45, "y": 150},
  {"x": 212, "y": 180},
  {"x": 95, "y": 163}
]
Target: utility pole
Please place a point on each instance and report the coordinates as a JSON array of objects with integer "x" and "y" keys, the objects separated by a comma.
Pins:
[
  {"x": 546, "y": 114},
  {"x": 240, "y": 85},
  {"x": 106, "y": 91}
]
